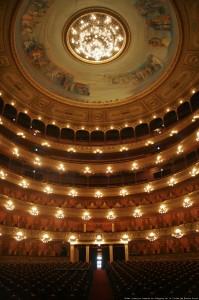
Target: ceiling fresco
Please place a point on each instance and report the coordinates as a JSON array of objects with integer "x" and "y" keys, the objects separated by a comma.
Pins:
[{"x": 153, "y": 36}]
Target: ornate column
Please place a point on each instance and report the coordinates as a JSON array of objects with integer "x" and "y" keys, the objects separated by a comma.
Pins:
[
  {"x": 85, "y": 227},
  {"x": 110, "y": 253},
  {"x": 87, "y": 253},
  {"x": 72, "y": 253},
  {"x": 126, "y": 249},
  {"x": 113, "y": 227}
]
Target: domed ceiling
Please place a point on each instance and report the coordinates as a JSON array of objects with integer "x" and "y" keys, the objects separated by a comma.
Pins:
[{"x": 142, "y": 36}]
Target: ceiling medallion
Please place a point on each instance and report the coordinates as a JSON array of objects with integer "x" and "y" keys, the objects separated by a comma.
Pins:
[{"x": 96, "y": 35}]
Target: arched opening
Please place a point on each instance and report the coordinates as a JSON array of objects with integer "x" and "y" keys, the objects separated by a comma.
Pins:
[
  {"x": 52, "y": 130},
  {"x": 10, "y": 112},
  {"x": 156, "y": 125},
  {"x": 38, "y": 125},
  {"x": 1, "y": 105},
  {"x": 97, "y": 136},
  {"x": 141, "y": 130},
  {"x": 82, "y": 135},
  {"x": 170, "y": 118},
  {"x": 112, "y": 135},
  {"x": 23, "y": 120},
  {"x": 195, "y": 101},
  {"x": 67, "y": 133},
  {"x": 184, "y": 110},
  {"x": 127, "y": 133}
]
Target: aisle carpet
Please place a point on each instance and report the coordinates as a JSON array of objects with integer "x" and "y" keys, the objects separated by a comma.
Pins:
[{"x": 100, "y": 286}]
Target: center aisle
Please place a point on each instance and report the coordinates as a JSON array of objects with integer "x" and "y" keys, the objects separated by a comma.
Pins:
[{"x": 100, "y": 286}]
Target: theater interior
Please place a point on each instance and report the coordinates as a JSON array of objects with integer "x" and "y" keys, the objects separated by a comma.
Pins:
[{"x": 99, "y": 115}]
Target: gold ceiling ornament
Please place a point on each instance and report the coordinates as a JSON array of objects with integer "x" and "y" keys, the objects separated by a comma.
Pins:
[
  {"x": 59, "y": 214},
  {"x": 177, "y": 233},
  {"x": 123, "y": 192},
  {"x": 151, "y": 237},
  {"x": 3, "y": 175},
  {"x": 34, "y": 211},
  {"x": 163, "y": 209},
  {"x": 137, "y": 213},
  {"x": 9, "y": 205},
  {"x": 187, "y": 202},
  {"x": 73, "y": 193},
  {"x": 111, "y": 215},
  {"x": 46, "y": 238},
  {"x": 48, "y": 189},
  {"x": 24, "y": 184},
  {"x": 96, "y": 35},
  {"x": 98, "y": 194},
  {"x": 86, "y": 216},
  {"x": 20, "y": 236}
]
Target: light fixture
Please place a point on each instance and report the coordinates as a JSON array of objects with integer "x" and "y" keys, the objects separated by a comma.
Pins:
[
  {"x": 86, "y": 216},
  {"x": 163, "y": 209},
  {"x": 34, "y": 211},
  {"x": 187, "y": 202},
  {"x": 96, "y": 36},
  {"x": 134, "y": 166},
  {"x": 173, "y": 132},
  {"x": 97, "y": 151},
  {"x": 37, "y": 161},
  {"x": 1, "y": 122},
  {"x": 46, "y": 144},
  {"x": 109, "y": 170},
  {"x": 125, "y": 238},
  {"x": 111, "y": 215},
  {"x": 179, "y": 149},
  {"x": 61, "y": 167},
  {"x": 98, "y": 194},
  {"x": 20, "y": 236},
  {"x": 152, "y": 236},
  {"x": 16, "y": 152},
  {"x": 197, "y": 136},
  {"x": 71, "y": 150},
  {"x": 24, "y": 184},
  {"x": 48, "y": 189},
  {"x": 148, "y": 188},
  {"x": 46, "y": 238},
  {"x": 21, "y": 134},
  {"x": 9, "y": 205},
  {"x": 72, "y": 239},
  {"x": 123, "y": 192},
  {"x": 137, "y": 213},
  {"x": 149, "y": 143},
  {"x": 159, "y": 159},
  {"x": 172, "y": 181},
  {"x": 193, "y": 172},
  {"x": 73, "y": 193},
  {"x": 3, "y": 175},
  {"x": 99, "y": 239},
  {"x": 177, "y": 233},
  {"x": 59, "y": 214},
  {"x": 124, "y": 149},
  {"x": 87, "y": 170}
]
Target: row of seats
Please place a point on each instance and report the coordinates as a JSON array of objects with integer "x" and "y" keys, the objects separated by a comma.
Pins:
[
  {"x": 166, "y": 278},
  {"x": 49, "y": 280}
]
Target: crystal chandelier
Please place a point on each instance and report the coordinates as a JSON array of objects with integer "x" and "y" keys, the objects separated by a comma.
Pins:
[
  {"x": 16, "y": 152},
  {"x": 148, "y": 188},
  {"x": 86, "y": 216},
  {"x": 3, "y": 175},
  {"x": 137, "y": 213},
  {"x": 20, "y": 236},
  {"x": 59, "y": 214},
  {"x": 87, "y": 170},
  {"x": 46, "y": 238},
  {"x": 72, "y": 239},
  {"x": 172, "y": 181},
  {"x": 109, "y": 170},
  {"x": 125, "y": 238},
  {"x": 177, "y": 233},
  {"x": 98, "y": 194},
  {"x": 96, "y": 37},
  {"x": 9, "y": 205},
  {"x": 134, "y": 166},
  {"x": 123, "y": 149},
  {"x": 123, "y": 192},
  {"x": 24, "y": 184},
  {"x": 37, "y": 161},
  {"x": 194, "y": 172},
  {"x": 61, "y": 167},
  {"x": 34, "y": 211},
  {"x": 151, "y": 237},
  {"x": 163, "y": 209},
  {"x": 99, "y": 239},
  {"x": 111, "y": 215},
  {"x": 187, "y": 202},
  {"x": 179, "y": 149},
  {"x": 158, "y": 159},
  {"x": 97, "y": 151},
  {"x": 48, "y": 190},
  {"x": 73, "y": 193}
]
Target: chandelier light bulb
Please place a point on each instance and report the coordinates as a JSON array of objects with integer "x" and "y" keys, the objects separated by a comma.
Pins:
[
  {"x": 134, "y": 166},
  {"x": 163, "y": 209},
  {"x": 172, "y": 181},
  {"x": 86, "y": 216},
  {"x": 59, "y": 214},
  {"x": 24, "y": 184},
  {"x": 111, "y": 215},
  {"x": 46, "y": 238},
  {"x": 98, "y": 194},
  {"x": 123, "y": 192},
  {"x": 177, "y": 233},
  {"x": 148, "y": 188},
  {"x": 137, "y": 213},
  {"x": 194, "y": 172},
  {"x": 9, "y": 205},
  {"x": 48, "y": 190},
  {"x": 187, "y": 202},
  {"x": 34, "y": 211},
  {"x": 73, "y": 193},
  {"x": 3, "y": 175},
  {"x": 20, "y": 236},
  {"x": 151, "y": 237}
]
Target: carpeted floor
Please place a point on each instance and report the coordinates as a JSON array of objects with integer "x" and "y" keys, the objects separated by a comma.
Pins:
[{"x": 100, "y": 286}]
